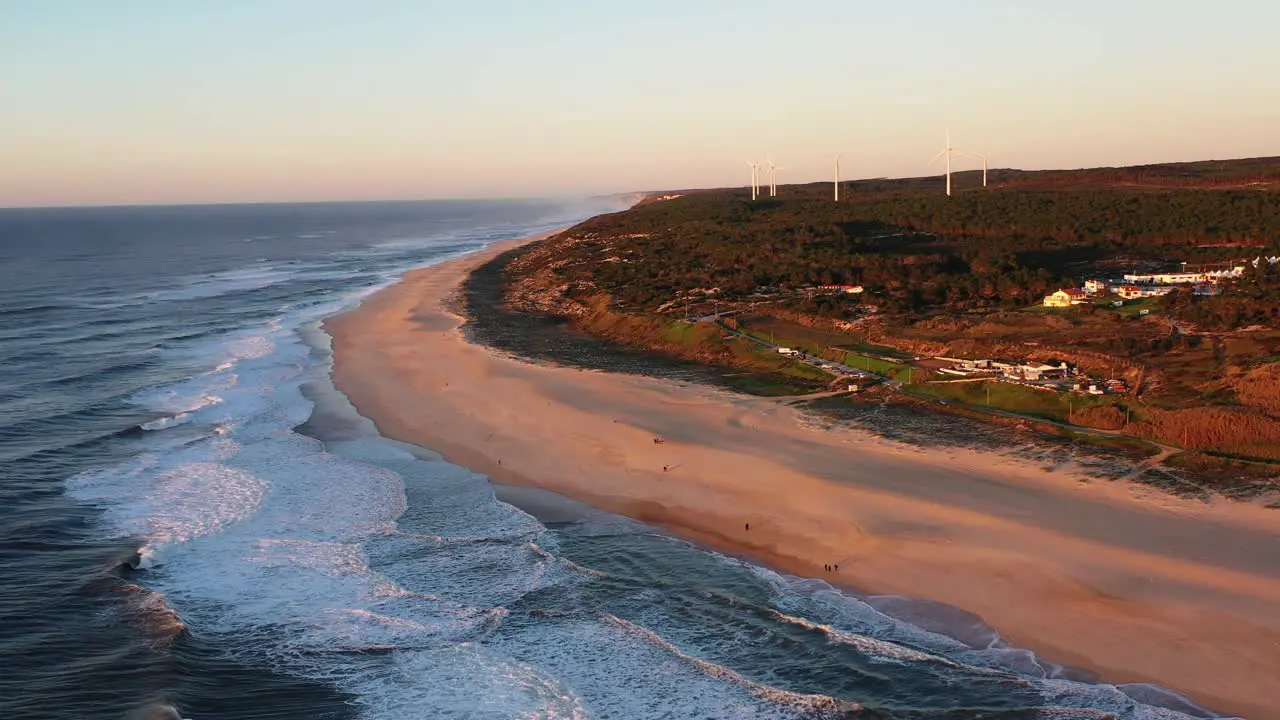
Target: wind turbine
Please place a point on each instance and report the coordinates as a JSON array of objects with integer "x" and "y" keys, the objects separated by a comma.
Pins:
[
  {"x": 773, "y": 178},
  {"x": 836, "y": 184},
  {"x": 755, "y": 178},
  {"x": 981, "y": 157},
  {"x": 946, "y": 151}
]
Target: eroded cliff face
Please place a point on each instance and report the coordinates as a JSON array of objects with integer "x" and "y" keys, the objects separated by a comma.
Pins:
[{"x": 534, "y": 281}]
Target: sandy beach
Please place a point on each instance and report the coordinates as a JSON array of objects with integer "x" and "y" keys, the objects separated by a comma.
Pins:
[{"x": 1134, "y": 585}]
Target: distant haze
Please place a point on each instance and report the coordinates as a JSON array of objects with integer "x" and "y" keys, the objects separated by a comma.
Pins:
[{"x": 159, "y": 102}]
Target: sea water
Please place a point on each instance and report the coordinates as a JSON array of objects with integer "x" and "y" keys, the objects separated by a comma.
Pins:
[{"x": 194, "y": 523}]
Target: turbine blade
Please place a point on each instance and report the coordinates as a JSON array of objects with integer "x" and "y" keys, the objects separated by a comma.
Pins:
[{"x": 941, "y": 152}]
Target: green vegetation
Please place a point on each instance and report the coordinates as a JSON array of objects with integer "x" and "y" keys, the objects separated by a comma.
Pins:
[
  {"x": 1125, "y": 445},
  {"x": 682, "y": 333},
  {"x": 859, "y": 355},
  {"x": 896, "y": 371},
  {"x": 1130, "y": 308},
  {"x": 912, "y": 249},
  {"x": 884, "y": 351},
  {"x": 1014, "y": 398},
  {"x": 960, "y": 276}
]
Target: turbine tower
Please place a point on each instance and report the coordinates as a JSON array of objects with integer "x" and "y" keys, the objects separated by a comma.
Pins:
[
  {"x": 947, "y": 152},
  {"x": 984, "y": 167},
  {"x": 755, "y": 178},
  {"x": 773, "y": 178},
  {"x": 836, "y": 184},
  {"x": 981, "y": 157}
]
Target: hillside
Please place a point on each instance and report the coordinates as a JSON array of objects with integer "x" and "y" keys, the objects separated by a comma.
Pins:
[{"x": 897, "y": 265}]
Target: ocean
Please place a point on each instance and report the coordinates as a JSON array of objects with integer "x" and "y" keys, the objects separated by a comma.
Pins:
[{"x": 195, "y": 524}]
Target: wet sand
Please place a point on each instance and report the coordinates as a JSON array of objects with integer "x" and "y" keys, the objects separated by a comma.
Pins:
[{"x": 1133, "y": 584}]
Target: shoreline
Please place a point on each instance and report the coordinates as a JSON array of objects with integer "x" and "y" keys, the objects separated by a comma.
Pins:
[{"x": 1137, "y": 586}]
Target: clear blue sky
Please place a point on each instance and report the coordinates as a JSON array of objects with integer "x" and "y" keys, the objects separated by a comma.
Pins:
[{"x": 185, "y": 101}]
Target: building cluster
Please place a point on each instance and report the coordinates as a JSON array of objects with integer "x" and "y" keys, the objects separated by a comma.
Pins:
[
  {"x": 1008, "y": 370},
  {"x": 1060, "y": 376},
  {"x": 847, "y": 289},
  {"x": 1134, "y": 286}
]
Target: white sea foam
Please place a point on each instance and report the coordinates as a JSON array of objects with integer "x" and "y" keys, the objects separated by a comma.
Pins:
[
  {"x": 222, "y": 283},
  {"x": 167, "y": 422}
]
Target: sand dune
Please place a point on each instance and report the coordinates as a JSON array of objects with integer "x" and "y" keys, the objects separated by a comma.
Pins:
[{"x": 1137, "y": 586}]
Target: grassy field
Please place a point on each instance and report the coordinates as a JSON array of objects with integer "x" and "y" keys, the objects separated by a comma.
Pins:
[
  {"x": 839, "y": 347},
  {"x": 1010, "y": 397},
  {"x": 766, "y": 373},
  {"x": 756, "y": 370},
  {"x": 1126, "y": 445},
  {"x": 897, "y": 371},
  {"x": 1044, "y": 310},
  {"x": 758, "y": 354},
  {"x": 1131, "y": 308},
  {"x": 687, "y": 334},
  {"x": 788, "y": 334},
  {"x": 865, "y": 348}
]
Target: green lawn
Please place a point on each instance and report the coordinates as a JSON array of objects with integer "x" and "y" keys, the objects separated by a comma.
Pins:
[
  {"x": 853, "y": 359},
  {"x": 881, "y": 350},
  {"x": 1011, "y": 398},
  {"x": 689, "y": 334},
  {"x": 760, "y": 355},
  {"x": 1045, "y": 309},
  {"x": 897, "y": 371},
  {"x": 1131, "y": 308},
  {"x": 1127, "y": 445}
]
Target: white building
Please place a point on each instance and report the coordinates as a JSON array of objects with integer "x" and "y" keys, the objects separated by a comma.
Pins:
[
  {"x": 1096, "y": 287},
  {"x": 1186, "y": 278},
  {"x": 1066, "y": 298},
  {"x": 1037, "y": 371},
  {"x": 1131, "y": 292}
]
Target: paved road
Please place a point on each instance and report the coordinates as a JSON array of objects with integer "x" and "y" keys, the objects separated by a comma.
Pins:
[{"x": 817, "y": 362}]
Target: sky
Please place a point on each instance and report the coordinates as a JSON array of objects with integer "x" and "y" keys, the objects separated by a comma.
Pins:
[{"x": 177, "y": 101}]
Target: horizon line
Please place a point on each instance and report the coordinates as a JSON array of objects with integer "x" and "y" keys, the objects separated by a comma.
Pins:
[{"x": 558, "y": 196}]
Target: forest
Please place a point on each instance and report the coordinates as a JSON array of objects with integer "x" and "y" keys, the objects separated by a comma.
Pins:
[{"x": 916, "y": 248}]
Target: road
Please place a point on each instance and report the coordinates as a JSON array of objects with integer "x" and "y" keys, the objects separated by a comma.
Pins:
[{"x": 821, "y": 363}]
